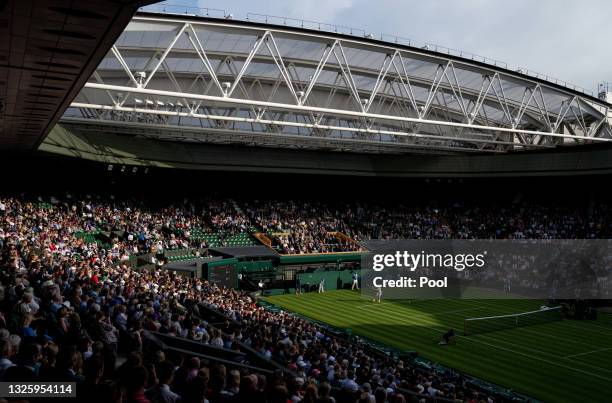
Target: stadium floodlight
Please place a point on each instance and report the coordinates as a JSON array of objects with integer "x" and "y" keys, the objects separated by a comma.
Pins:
[
  {"x": 160, "y": 103},
  {"x": 179, "y": 104},
  {"x": 138, "y": 100},
  {"x": 141, "y": 76},
  {"x": 226, "y": 86},
  {"x": 149, "y": 102}
]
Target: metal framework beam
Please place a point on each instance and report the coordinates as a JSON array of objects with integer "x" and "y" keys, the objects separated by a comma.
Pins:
[
  {"x": 386, "y": 102},
  {"x": 304, "y": 108}
]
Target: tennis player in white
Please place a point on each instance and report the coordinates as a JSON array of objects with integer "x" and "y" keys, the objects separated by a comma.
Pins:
[
  {"x": 378, "y": 295},
  {"x": 355, "y": 285}
]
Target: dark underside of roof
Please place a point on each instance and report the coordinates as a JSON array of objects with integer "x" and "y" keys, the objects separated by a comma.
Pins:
[{"x": 48, "y": 49}]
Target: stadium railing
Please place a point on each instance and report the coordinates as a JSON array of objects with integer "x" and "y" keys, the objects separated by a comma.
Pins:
[
  {"x": 152, "y": 342},
  {"x": 414, "y": 360},
  {"x": 199, "y": 347},
  {"x": 206, "y": 313}
]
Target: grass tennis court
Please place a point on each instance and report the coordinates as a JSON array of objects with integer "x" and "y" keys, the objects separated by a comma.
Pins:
[{"x": 561, "y": 361}]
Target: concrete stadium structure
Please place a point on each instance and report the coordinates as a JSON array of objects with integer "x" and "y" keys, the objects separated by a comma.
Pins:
[{"x": 210, "y": 92}]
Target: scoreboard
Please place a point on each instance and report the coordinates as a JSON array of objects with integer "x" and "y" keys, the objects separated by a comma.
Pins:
[{"x": 222, "y": 273}]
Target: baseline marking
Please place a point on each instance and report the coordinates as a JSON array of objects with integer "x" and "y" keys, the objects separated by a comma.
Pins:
[
  {"x": 517, "y": 352},
  {"x": 588, "y": 352}
]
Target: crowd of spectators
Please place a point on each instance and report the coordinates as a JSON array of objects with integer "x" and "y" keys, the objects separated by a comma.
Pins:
[
  {"x": 301, "y": 227},
  {"x": 310, "y": 226},
  {"x": 74, "y": 310},
  {"x": 225, "y": 217},
  {"x": 529, "y": 221}
]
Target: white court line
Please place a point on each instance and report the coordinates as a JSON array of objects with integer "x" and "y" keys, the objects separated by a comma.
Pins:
[
  {"x": 371, "y": 305},
  {"x": 530, "y": 330},
  {"x": 588, "y": 327},
  {"x": 504, "y": 342},
  {"x": 519, "y": 353},
  {"x": 588, "y": 352},
  {"x": 543, "y": 360},
  {"x": 568, "y": 340},
  {"x": 422, "y": 315},
  {"x": 565, "y": 323},
  {"x": 529, "y": 356}
]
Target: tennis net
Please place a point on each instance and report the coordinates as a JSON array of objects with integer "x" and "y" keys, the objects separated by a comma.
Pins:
[{"x": 494, "y": 323}]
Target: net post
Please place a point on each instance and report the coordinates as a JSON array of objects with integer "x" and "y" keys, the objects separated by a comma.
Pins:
[{"x": 515, "y": 320}]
